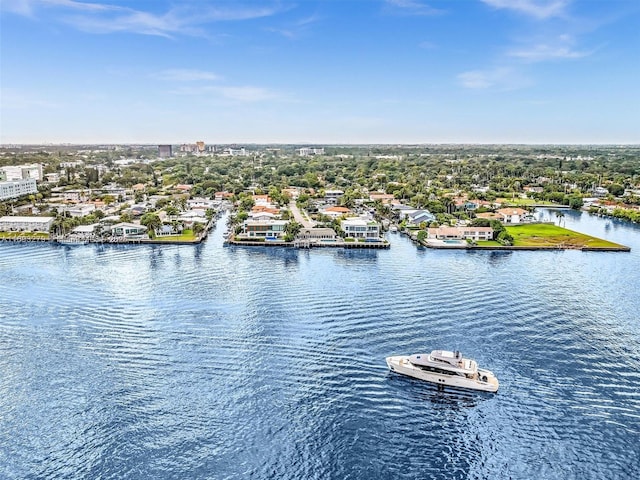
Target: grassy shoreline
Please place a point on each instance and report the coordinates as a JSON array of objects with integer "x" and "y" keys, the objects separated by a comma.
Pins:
[{"x": 545, "y": 236}]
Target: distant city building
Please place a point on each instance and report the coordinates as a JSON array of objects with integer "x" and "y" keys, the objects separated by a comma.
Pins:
[
  {"x": 71, "y": 195},
  {"x": 235, "y": 152},
  {"x": 52, "y": 177},
  {"x": 306, "y": 151},
  {"x": 23, "y": 172},
  {"x": 200, "y": 146},
  {"x": 165, "y": 151},
  {"x": 17, "y": 188},
  {"x": 71, "y": 164}
]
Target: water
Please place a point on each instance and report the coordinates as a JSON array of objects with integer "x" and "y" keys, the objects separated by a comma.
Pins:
[{"x": 227, "y": 363}]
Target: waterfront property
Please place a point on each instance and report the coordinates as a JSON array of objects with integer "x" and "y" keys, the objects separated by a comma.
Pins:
[
  {"x": 25, "y": 224},
  {"x": 514, "y": 215},
  {"x": 266, "y": 229},
  {"x": 359, "y": 227},
  {"x": 317, "y": 235},
  {"x": 129, "y": 230},
  {"x": 549, "y": 235},
  {"x": 460, "y": 233}
]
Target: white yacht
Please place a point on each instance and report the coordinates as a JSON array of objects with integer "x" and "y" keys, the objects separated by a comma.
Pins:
[{"x": 445, "y": 368}]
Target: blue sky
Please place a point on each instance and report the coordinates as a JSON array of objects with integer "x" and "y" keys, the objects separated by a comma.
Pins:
[{"x": 325, "y": 71}]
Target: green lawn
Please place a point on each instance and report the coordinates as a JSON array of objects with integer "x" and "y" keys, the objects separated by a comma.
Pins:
[
  {"x": 488, "y": 243},
  {"x": 185, "y": 236},
  {"x": 525, "y": 202},
  {"x": 13, "y": 235},
  {"x": 549, "y": 235}
]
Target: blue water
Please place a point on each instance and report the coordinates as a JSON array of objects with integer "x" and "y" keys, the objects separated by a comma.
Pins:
[{"x": 229, "y": 363}]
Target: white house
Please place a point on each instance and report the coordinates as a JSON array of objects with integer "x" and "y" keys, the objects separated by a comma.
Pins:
[
  {"x": 332, "y": 197},
  {"x": 514, "y": 215},
  {"x": 316, "y": 234},
  {"x": 80, "y": 210},
  {"x": 269, "y": 229},
  {"x": 201, "y": 204},
  {"x": 460, "y": 233},
  {"x": 306, "y": 151},
  {"x": 128, "y": 230},
  {"x": 360, "y": 227}
]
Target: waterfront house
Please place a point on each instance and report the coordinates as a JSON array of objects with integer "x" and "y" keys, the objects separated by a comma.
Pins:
[
  {"x": 167, "y": 229},
  {"x": 85, "y": 231},
  {"x": 460, "y": 233},
  {"x": 268, "y": 229},
  {"x": 128, "y": 230},
  {"x": 360, "y": 227},
  {"x": 514, "y": 215},
  {"x": 25, "y": 224},
  {"x": 317, "y": 234}
]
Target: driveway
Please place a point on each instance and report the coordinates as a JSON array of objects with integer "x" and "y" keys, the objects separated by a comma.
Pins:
[{"x": 297, "y": 215}]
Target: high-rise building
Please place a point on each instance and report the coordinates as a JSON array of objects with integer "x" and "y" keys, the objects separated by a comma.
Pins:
[
  {"x": 165, "y": 151},
  {"x": 17, "y": 188},
  {"x": 22, "y": 172},
  {"x": 200, "y": 146}
]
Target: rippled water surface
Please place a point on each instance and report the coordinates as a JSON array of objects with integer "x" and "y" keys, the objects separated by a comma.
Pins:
[{"x": 223, "y": 362}]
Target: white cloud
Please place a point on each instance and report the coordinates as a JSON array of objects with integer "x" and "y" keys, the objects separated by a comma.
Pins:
[
  {"x": 244, "y": 94},
  {"x": 540, "y": 9},
  {"x": 542, "y": 51},
  {"x": 21, "y": 7},
  {"x": 411, "y": 7},
  {"x": 247, "y": 94},
  {"x": 185, "y": 75},
  {"x": 501, "y": 78},
  {"x": 549, "y": 48},
  {"x": 107, "y": 18}
]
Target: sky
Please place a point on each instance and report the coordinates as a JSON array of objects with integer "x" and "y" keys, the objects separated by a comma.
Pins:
[{"x": 320, "y": 71}]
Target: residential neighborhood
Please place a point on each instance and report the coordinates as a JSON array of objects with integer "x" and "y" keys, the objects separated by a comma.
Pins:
[{"x": 282, "y": 196}]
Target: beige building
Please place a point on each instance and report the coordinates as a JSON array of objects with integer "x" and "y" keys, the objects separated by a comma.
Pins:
[{"x": 25, "y": 224}]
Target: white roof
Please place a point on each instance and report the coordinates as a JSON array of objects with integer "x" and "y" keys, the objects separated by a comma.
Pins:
[
  {"x": 85, "y": 228},
  {"x": 17, "y": 219}
]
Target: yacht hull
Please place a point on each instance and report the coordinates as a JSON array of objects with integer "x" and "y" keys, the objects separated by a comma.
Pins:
[{"x": 402, "y": 365}]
